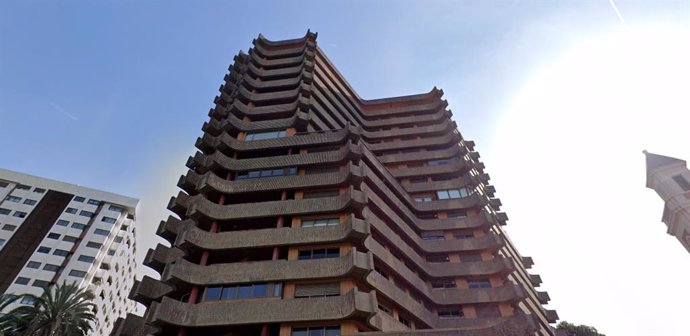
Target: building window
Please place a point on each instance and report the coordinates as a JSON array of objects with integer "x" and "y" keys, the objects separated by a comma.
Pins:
[
  {"x": 320, "y": 194},
  {"x": 51, "y": 267},
  {"x": 454, "y": 193},
  {"x": 682, "y": 182},
  {"x": 101, "y": 232},
  {"x": 470, "y": 257},
  {"x": 457, "y": 214},
  {"x": 20, "y": 214},
  {"x": 438, "y": 162},
  {"x": 255, "y": 174},
  {"x": 316, "y": 331},
  {"x": 2, "y": 242},
  {"x": 319, "y": 253},
  {"x": 9, "y": 227},
  {"x": 13, "y": 199},
  {"x": 320, "y": 222},
  {"x": 444, "y": 283},
  {"x": 76, "y": 273},
  {"x": 404, "y": 321},
  {"x": 41, "y": 283},
  {"x": 4, "y": 211},
  {"x": 438, "y": 258},
  {"x": 29, "y": 201},
  {"x": 479, "y": 283},
  {"x": 264, "y": 135},
  {"x": 463, "y": 235},
  {"x": 33, "y": 264},
  {"x": 450, "y": 312},
  {"x": 79, "y": 199},
  {"x": 433, "y": 235},
  {"x": 43, "y": 249},
  {"x": 244, "y": 291},
  {"x": 70, "y": 239},
  {"x": 3, "y": 184},
  {"x": 61, "y": 222},
  {"x": 61, "y": 253},
  {"x": 23, "y": 187},
  {"x": 27, "y": 300},
  {"x": 116, "y": 208},
  {"x": 71, "y": 210},
  {"x": 22, "y": 281},
  {"x": 39, "y": 190},
  {"x": 94, "y": 245},
  {"x": 385, "y": 309},
  {"x": 423, "y": 199},
  {"x": 78, "y": 226},
  {"x": 317, "y": 290},
  {"x": 108, "y": 220},
  {"x": 86, "y": 213},
  {"x": 94, "y": 202},
  {"x": 53, "y": 235},
  {"x": 85, "y": 258}
]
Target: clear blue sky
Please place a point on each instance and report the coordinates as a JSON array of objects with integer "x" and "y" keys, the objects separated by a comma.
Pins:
[{"x": 112, "y": 94}]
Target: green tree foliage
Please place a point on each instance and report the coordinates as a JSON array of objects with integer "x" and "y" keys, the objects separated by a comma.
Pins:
[
  {"x": 60, "y": 311},
  {"x": 579, "y": 330},
  {"x": 8, "y": 322}
]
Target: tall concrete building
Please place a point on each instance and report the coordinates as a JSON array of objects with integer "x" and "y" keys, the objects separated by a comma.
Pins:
[
  {"x": 670, "y": 178},
  {"x": 55, "y": 232},
  {"x": 310, "y": 211}
]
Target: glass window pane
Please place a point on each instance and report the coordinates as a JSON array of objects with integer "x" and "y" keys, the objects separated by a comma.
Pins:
[
  {"x": 299, "y": 332},
  {"x": 229, "y": 293},
  {"x": 319, "y": 254},
  {"x": 213, "y": 293},
  {"x": 316, "y": 331},
  {"x": 260, "y": 290},
  {"x": 277, "y": 289},
  {"x": 454, "y": 193},
  {"x": 245, "y": 291},
  {"x": 332, "y": 331},
  {"x": 442, "y": 194}
]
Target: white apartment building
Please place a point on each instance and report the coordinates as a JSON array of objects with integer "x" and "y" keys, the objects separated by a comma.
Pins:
[{"x": 55, "y": 232}]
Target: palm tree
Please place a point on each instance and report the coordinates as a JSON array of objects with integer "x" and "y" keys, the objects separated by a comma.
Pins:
[
  {"x": 61, "y": 311},
  {"x": 8, "y": 321}
]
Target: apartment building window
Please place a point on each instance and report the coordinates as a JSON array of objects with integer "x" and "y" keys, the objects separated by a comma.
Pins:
[
  {"x": 463, "y": 235},
  {"x": 39, "y": 190},
  {"x": 317, "y": 290},
  {"x": 116, "y": 208},
  {"x": 108, "y": 220},
  {"x": 43, "y": 249},
  {"x": 51, "y": 268},
  {"x": 319, "y": 253},
  {"x": 244, "y": 291},
  {"x": 457, "y": 214},
  {"x": 385, "y": 309},
  {"x": 61, "y": 253},
  {"x": 13, "y": 199},
  {"x": 70, "y": 239},
  {"x": 29, "y": 201},
  {"x": 453, "y": 193},
  {"x": 33, "y": 264},
  {"x": 444, "y": 283},
  {"x": 94, "y": 245},
  {"x": 53, "y": 235},
  {"x": 320, "y": 222},
  {"x": 71, "y": 210},
  {"x": 23, "y": 187},
  {"x": 255, "y": 174},
  {"x": 450, "y": 312},
  {"x": 78, "y": 226},
  {"x": 27, "y": 300},
  {"x": 316, "y": 331},
  {"x": 438, "y": 258},
  {"x": 85, "y": 258},
  {"x": 22, "y": 281},
  {"x": 2, "y": 242},
  {"x": 40, "y": 283},
  {"x": 4, "y": 211},
  {"x": 76, "y": 273},
  {"x": 3, "y": 184},
  {"x": 86, "y": 213},
  {"x": 9, "y": 227},
  {"x": 79, "y": 199},
  {"x": 479, "y": 283},
  {"x": 433, "y": 235},
  {"x": 404, "y": 321},
  {"x": 438, "y": 162},
  {"x": 264, "y": 135},
  {"x": 101, "y": 232},
  {"x": 20, "y": 214},
  {"x": 682, "y": 182},
  {"x": 423, "y": 199},
  {"x": 320, "y": 194},
  {"x": 61, "y": 222},
  {"x": 94, "y": 202}
]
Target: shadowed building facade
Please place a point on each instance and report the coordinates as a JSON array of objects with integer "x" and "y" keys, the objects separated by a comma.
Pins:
[
  {"x": 310, "y": 211},
  {"x": 670, "y": 177}
]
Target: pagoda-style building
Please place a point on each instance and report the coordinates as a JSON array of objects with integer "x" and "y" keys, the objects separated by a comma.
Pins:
[{"x": 310, "y": 211}]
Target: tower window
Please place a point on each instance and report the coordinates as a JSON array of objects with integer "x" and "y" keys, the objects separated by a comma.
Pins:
[
  {"x": 319, "y": 253},
  {"x": 264, "y": 135}
]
